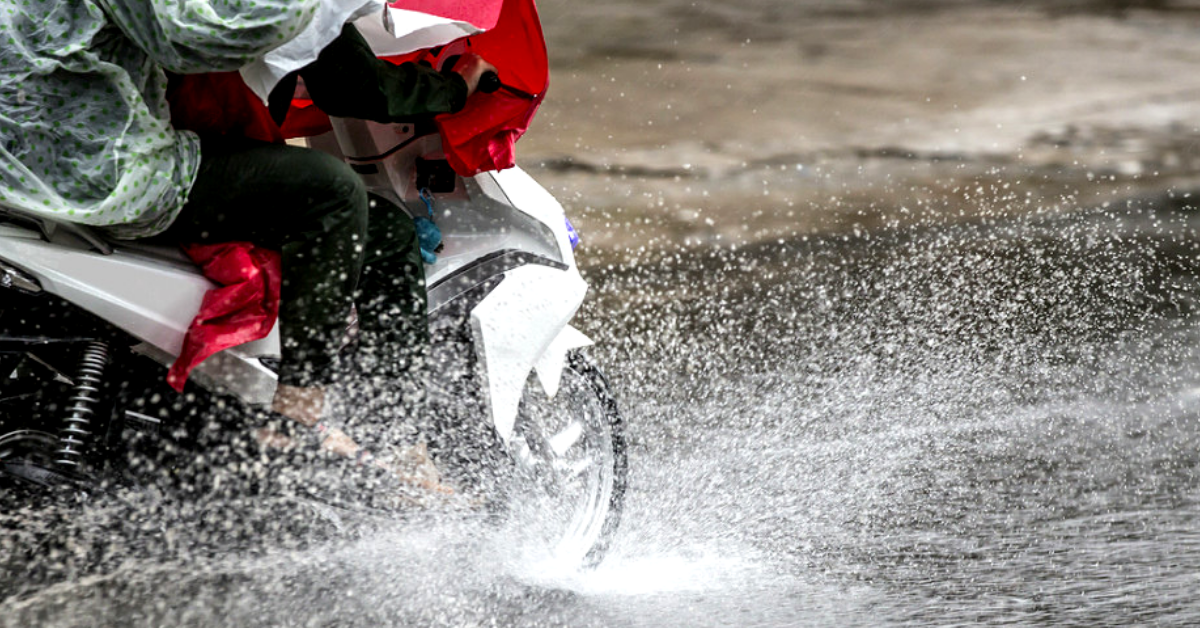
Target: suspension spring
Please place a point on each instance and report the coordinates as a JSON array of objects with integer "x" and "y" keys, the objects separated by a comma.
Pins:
[{"x": 75, "y": 436}]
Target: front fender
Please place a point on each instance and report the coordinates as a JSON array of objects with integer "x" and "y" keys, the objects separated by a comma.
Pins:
[{"x": 515, "y": 327}]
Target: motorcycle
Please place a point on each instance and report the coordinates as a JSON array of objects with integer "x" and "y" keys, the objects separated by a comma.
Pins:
[{"x": 81, "y": 317}]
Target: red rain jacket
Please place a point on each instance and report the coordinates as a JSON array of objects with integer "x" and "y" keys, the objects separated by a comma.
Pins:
[
  {"x": 242, "y": 309},
  {"x": 482, "y": 136}
]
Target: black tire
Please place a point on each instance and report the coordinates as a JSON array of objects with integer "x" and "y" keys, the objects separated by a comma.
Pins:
[{"x": 604, "y": 430}]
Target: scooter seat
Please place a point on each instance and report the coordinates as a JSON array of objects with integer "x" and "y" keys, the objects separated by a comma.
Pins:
[
  {"x": 158, "y": 250},
  {"x": 50, "y": 228},
  {"x": 54, "y": 230}
]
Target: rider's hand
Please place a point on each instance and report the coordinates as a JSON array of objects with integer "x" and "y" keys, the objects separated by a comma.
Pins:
[{"x": 472, "y": 67}]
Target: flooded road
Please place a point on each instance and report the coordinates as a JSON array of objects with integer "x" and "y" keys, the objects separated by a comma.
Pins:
[
  {"x": 963, "y": 399},
  {"x": 991, "y": 423}
]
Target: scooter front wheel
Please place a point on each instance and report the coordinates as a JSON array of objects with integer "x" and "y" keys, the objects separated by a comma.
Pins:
[{"x": 571, "y": 463}]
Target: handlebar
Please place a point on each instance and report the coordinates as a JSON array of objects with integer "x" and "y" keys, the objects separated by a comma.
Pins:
[{"x": 489, "y": 82}]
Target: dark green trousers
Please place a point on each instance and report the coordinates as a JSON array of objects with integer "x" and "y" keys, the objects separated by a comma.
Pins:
[
  {"x": 391, "y": 300},
  {"x": 314, "y": 209}
]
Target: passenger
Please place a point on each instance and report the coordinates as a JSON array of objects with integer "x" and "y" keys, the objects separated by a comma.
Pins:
[{"x": 87, "y": 138}]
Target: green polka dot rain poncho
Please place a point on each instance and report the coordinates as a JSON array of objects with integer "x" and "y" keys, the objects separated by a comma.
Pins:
[{"x": 85, "y": 133}]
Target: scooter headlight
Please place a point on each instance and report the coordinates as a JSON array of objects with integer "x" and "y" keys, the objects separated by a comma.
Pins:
[
  {"x": 17, "y": 279},
  {"x": 572, "y": 234}
]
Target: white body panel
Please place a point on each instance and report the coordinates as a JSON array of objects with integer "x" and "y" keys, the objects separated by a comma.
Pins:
[
  {"x": 493, "y": 217},
  {"x": 152, "y": 299},
  {"x": 550, "y": 364},
  {"x": 150, "y": 293},
  {"x": 515, "y": 325},
  {"x": 530, "y": 197}
]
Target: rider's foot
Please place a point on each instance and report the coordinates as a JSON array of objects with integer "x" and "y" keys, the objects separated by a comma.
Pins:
[
  {"x": 271, "y": 439},
  {"x": 303, "y": 405},
  {"x": 414, "y": 466},
  {"x": 332, "y": 439}
]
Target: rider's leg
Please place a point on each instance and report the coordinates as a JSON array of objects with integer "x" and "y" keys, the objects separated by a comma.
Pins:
[
  {"x": 311, "y": 207},
  {"x": 392, "y": 305}
]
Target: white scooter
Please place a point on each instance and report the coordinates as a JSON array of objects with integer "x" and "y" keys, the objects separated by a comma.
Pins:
[{"x": 76, "y": 308}]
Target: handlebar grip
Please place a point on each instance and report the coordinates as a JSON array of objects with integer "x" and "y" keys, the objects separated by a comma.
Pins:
[{"x": 489, "y": 82}]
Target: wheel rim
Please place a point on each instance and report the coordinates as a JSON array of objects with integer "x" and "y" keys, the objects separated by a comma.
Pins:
[{"x": 564, "y": 452}]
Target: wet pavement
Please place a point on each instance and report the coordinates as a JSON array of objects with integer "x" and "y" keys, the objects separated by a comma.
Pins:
[{"x": 989, "y": 423}]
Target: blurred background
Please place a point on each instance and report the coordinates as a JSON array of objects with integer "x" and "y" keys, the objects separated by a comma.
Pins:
[{"x": 692, "y": 121}]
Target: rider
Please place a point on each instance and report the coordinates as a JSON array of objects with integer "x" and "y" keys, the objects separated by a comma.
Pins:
[
  {"x": 86, "y": 138},
  {"x": 249, "y": 187}
]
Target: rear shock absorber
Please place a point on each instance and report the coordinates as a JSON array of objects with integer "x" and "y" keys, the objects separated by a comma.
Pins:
[{"x": 75, "y": 436}]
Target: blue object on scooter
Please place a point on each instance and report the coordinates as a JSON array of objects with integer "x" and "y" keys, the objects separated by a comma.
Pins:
[{"x": 429, "y": 237}]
